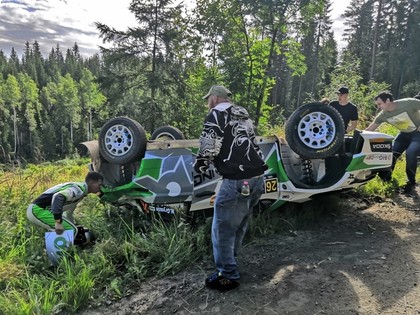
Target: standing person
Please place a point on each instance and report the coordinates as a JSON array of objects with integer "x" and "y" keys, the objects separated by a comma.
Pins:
[
  {"x": 47, "y": 210},
  {"x": 404, "y": 114},
  {"x": 228, "y": 141},
  {"x": 347, "y": 109}
]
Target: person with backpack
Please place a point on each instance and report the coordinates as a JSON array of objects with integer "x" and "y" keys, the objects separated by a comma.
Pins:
[{"x": 228, "y": 141}]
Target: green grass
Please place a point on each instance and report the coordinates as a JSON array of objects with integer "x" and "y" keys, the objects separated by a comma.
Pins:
[
  {"x": 125, "y": 254},
  {"x": 377, "y": 187},
  {"x": 129, "y": 248}
]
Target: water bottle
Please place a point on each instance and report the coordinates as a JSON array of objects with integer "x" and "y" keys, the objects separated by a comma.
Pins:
[{"x": 245, "y": 189}]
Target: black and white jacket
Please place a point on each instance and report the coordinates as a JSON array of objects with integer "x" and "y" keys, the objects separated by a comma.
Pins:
[{"x": 228, "y": 141}]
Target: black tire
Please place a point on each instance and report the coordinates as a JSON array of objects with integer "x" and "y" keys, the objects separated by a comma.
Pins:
[
  {"x": 167, "y": 133},
  {"x": 122, "y": 140},
  {"x": 315, "y": 131}
]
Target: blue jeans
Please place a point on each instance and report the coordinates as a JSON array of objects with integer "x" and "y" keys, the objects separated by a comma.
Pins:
[
  {"x": 230, "y": 221},
  {"x": 410, "y": 143}
]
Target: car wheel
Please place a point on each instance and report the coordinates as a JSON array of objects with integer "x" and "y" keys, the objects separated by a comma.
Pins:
[
  {"x": 122, "y": 140},
  {"x": 167, "y": 133},
  {"x": 315, "y": 131}
]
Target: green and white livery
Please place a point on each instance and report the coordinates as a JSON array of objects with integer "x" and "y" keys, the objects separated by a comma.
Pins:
[{"x": 316, "y": 158}]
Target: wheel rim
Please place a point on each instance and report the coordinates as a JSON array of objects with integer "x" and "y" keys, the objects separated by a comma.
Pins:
[
  {"x": 118, "y": 140},
  {"x": 316, "y": 130},
  {"x": 164, "y": 136}
]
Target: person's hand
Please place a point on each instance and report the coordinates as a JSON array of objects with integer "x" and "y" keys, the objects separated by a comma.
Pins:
[
  {"x": 212, "y": 199},
  {"x": 201, "y": 165},
  {"x": 59, "y": 228}
]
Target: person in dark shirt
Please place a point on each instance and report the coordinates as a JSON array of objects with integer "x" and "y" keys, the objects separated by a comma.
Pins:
[
  {"x": 347, "y": 109},
  {"x": 228, "y": 141}
]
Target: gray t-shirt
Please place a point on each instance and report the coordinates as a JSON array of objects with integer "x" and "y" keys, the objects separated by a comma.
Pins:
[{"x": 405, "y": 117}]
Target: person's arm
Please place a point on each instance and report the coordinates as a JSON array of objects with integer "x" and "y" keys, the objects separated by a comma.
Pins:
[
  {"x": 254, "y": 143},
  {"x": 354, "y": 119},
  {"x": 372, "y": 127},
  {"x": 210, "y": 141},
  {"x": 353, "y": 125},
  {"x": 57, "y": 205},
  {"x": 71, "y": 193}
]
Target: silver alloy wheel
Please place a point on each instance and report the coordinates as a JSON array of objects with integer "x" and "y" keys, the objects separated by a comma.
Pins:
[
  {"x": 316, "y": 130},
  {"x": 164, "y": 136},
  {"x": 167, "y": 133},
  {"x": 122, "y": 140},
  {"x": 118, "y": 140}
]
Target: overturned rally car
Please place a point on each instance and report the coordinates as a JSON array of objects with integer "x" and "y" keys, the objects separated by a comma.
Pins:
[{"x": 157, "y": 175}]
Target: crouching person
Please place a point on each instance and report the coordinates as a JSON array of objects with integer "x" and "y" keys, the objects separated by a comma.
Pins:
[{"x": 47, "y": 210}]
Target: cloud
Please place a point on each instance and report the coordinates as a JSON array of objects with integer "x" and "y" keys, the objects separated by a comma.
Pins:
[
  {"x": 52, "y": 22},
  {"x": 338, "y": 8}
]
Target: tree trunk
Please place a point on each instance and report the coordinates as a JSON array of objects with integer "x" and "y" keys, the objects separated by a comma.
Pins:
[
  {"x": 62, "y": 141},
  {"x": 300, "y": 91},
  {"x": 153, "y": 87},
  {"x": 31, "y": 149},
  {"x": 375, "y": 40},
  {"x": 90, "y": 136},
  {"x": 315, "y": 73},
  {"x": 71, "y": 131},
  {"x": 264, "y": 85},
  {"x": 15, "y": 130},
  {"x": 251, "y": 62}
]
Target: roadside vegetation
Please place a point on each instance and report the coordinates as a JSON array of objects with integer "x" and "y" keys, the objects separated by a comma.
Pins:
[
  {"x": 129, "y": 247},
  {"x": 273, "y": 55},
  {"x": 125, "y": 254}
]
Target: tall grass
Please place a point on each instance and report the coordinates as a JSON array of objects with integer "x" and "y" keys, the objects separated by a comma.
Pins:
[
  {"x": 388, "y": 189},
  {"x": 125, "y": 253}
]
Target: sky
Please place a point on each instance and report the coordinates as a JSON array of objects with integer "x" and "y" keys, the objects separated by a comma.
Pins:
[{"x": 64, "y": 22}]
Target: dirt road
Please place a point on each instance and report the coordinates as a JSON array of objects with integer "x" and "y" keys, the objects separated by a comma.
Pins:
[{"x": 366, "y": 260}]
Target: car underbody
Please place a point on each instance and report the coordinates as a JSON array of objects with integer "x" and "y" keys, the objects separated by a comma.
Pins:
[{"x": 157, "y": 175}]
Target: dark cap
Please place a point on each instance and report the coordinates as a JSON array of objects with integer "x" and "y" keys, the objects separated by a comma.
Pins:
[
  {"x": 417, "y": 96},
  {"x": 343, "y": 90},
  {"x": 218, "y": 90}
]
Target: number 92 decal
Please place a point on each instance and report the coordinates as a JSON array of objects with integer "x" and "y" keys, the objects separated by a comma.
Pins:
[{"x": 270, "y": 184}]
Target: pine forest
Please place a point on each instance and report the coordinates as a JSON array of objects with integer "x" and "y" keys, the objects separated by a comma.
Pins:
[{"x": 274, "y": 56}]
